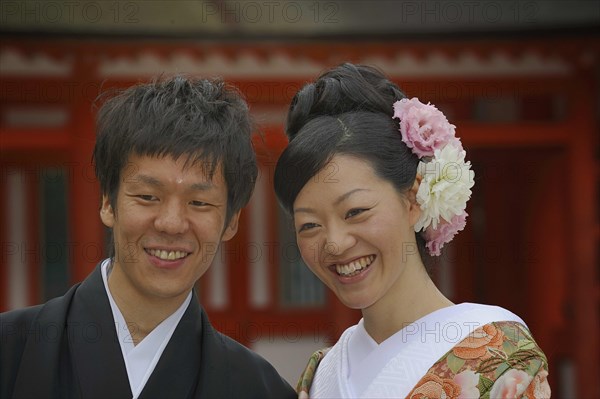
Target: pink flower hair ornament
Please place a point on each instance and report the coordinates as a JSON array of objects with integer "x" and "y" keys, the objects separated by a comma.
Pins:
[
  {"x": 446, "y": 179},
  {"x": 424, "y": 128}
]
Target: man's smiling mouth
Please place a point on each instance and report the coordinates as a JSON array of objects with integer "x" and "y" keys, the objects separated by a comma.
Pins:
[{"x": 167, "y": 255}]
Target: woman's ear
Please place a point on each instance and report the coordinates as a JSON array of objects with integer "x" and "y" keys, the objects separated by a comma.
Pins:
[
  {"x": 106, "y": 212},
  {"x": 414, "y": 210}
]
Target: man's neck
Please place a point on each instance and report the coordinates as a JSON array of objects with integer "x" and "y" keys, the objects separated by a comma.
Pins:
[{"x": 141, "y": 313}]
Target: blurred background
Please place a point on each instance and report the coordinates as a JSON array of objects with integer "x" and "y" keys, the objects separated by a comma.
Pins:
[{"x": 519, "y": 79}]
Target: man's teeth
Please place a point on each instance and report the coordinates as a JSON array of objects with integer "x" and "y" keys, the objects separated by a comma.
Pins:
[
  {"x": 164, "y": 255},
  {"x": 355, "y": 266}
]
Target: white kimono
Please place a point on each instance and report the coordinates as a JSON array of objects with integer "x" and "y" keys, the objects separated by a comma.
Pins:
[{"x": 357, "y": 367}]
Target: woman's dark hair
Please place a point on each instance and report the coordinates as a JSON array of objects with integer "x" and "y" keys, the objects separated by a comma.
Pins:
[{"x": 348, "y": 110}]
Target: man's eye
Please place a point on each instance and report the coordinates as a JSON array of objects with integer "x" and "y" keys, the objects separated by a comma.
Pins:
[
  {"x": 147, "y": 197},
  {"x": 199, "y": 203}
]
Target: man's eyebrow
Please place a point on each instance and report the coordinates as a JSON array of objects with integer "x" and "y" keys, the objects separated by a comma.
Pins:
[
  {"x": 204, "y": 186},
  {"x": 152, "y": 181},
  {"x": 149, "y": 180}
]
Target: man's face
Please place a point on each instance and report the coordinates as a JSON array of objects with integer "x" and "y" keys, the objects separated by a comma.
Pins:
[{"x": 167, "y": 226}]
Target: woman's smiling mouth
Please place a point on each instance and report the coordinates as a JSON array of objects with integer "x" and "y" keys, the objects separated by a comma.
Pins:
[{"x": 354, "y": 267}]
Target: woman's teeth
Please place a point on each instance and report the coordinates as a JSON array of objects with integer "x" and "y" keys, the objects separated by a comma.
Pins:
[{"x": 354, "y": 267}]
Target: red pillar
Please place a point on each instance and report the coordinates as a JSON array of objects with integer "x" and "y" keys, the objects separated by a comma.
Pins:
[
  {"x": 584, "y": 222},
  {"x": 5, "y": 241},
  {"x": 86, "y": 237},
  {"x": 32, "y": 252},
  {"x": 547, "y": 260}
]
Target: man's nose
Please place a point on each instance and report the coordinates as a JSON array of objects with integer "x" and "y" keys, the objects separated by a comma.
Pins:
[{"x": 172, "y": 218}]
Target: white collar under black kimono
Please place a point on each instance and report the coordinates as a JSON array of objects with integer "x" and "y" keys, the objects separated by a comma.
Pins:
[
  {"x": 358, "y": 367},
  {"x": 141, "y": 359}
]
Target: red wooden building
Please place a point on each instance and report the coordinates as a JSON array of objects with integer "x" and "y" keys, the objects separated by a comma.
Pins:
[{"x": 527, "y": 112}]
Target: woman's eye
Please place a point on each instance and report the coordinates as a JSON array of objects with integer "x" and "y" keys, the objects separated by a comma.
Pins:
[
  {"x": 354, "y": 212},
  {"x": 307, "y": 226}
]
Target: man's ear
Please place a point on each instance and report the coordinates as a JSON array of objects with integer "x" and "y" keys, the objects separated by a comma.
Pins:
[
  {"x": 414, "y": 210},
  {"x": 232, "y": 227},
  {"x": 106, "y": 212}
]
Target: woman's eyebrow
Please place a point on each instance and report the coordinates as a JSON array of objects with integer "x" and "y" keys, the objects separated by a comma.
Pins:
[{"x": 344, "y": 197}]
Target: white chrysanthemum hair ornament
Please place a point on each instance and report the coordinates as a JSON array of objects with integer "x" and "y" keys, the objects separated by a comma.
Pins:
[{"x": 446, "y": 178}]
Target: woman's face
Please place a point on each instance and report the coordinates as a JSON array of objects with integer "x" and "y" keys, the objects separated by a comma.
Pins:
[{"x": 355, "y": 231}]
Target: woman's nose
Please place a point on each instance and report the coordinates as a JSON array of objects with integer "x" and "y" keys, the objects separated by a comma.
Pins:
[{"x": 339, "y": 240}]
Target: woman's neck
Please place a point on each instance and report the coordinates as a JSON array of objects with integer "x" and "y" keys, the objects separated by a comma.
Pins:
[{"x": 413, "y": 296}]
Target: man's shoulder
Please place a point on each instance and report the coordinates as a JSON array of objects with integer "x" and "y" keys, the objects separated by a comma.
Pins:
[
  {"x": 15, "y": 328},
  {"x": 252, "y": 372},
  {"x": 22, "y": 314},
  {"x": 17, "y": 325},
  {"x": 244, "y": 357},
  {"x": 17, "y": 319},
  {"x": 27, "y": 315}
]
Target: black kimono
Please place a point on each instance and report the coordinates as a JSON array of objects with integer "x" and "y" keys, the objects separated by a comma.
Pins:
[{"x": 68, "y": 348}]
